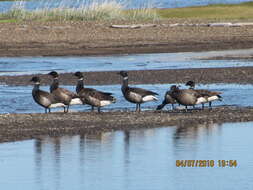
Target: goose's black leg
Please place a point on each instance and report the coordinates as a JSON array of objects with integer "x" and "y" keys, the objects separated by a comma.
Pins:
[
  {"x": 99, "y": 110},
  {"x": 139, "y": 107},
  {"x": 203, "y": 106},
  {"x": 67, "y": 109},
  {"x": 136, "y": 107},
  {"x": 210, "y": 105},
  {"x": 49, "y": 110},
  {"x": 45, "y": 110},
  {"x": 172, "y": 105},
  {"x": 186, "y": 108},
  {"x": 92, "y": 108},
  {"x": 64, "y": 109}
]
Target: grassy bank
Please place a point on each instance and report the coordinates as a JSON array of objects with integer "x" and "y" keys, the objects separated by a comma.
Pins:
[
  {"x": 106, "y": 10},
  {"x": 111, "y": 10},
  {"x": 219, "y": 11}
]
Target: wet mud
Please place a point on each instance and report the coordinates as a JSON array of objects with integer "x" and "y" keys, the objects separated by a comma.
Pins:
[{"x": 14, "y": 127}]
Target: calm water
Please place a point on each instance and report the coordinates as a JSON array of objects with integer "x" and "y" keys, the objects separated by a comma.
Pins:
[
  {"x": 33, "y": 4},
  {"x": 130, "y": 160},
  {"x": 18, "y": 99},
  {"x": 31, "y": 65}
]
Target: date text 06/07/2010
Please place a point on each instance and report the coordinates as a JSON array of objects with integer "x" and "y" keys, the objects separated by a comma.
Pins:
[{"x": 206, "y": 163}]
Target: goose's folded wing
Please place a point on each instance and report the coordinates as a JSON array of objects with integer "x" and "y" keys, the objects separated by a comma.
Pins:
[
  {"x": 207, "y": 92},
  {"x": 67, "y": 92},
  {"x": 142, "y": 92},
  {"x": 101, "y": 96}
]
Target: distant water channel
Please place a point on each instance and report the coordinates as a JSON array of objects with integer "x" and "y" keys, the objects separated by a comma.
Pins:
[
  {"x": 142, "y": 159},
  {"x": 33, "y": 65},
  {"x": 128, "y": 4}
]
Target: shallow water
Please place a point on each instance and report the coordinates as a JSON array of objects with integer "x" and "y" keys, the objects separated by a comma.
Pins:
[
  {"x": 32, "y": 65},
  {"x": 136, "y": 159},
  {"x": 18, "y": 99},
  {"x": 6, "y": 5}
]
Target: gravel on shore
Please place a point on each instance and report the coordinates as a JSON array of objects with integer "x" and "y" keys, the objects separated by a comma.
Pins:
[{"x": 14, "y": 127}]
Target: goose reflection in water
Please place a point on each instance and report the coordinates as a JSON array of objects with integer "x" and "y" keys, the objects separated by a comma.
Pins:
[{"x": 186, "y": 135}]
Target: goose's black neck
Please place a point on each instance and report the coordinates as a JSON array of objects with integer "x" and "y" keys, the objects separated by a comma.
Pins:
[
  {"x": 36, "y": 87},
  {"x": 124, "y": 84},
  {"x": 54, "y": 85},
  {"x": 79, "y": 85}
]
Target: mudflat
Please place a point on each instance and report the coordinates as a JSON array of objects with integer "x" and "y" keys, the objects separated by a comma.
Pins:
[
  {"x": 15, "y": 127},
  {"x": 98, "y": 38},
  {"x": 241, "y": 75}
]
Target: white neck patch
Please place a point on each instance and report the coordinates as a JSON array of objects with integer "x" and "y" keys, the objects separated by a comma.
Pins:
[
  {"x": 125, "y": 78},
  {"x": 80, "y": 79}
]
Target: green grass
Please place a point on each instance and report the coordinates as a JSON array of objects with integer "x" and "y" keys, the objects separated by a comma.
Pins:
[
  {"x": 107, "y": 10},
  {"x": 8, "y": 21},
  {"x": 219, "y": 11}
]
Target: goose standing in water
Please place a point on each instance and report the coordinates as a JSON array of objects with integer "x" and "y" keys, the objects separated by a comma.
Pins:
[
  {"x": 136, "y": 95},
  {"x": 61, "y": 94},
  {"x": 43, "y": 98},
  {"x": 168, "y": 99},
  {"x": 209, "y": 95},
  {"x": 91, "y": 96},
  {"x": 186, "y": 97}
]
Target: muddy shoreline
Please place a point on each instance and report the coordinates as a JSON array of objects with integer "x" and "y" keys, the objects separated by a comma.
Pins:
[
  {"x": 240, "y": 75},
  {"x": 14, "y": 127},
  {"x": 98, "y": 38}
]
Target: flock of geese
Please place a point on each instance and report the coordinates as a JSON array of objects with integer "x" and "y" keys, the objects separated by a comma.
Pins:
[{"x": 61, "y": 97}]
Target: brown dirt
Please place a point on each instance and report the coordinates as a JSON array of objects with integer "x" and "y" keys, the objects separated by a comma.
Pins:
[
  {"x": 92, "y": 38},
  {"x": 26, "y": 126},
  {"x": 212, "y": 75}
]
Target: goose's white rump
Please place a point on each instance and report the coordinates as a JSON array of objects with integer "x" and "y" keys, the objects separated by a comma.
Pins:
[{"x": 212, "y": 98}]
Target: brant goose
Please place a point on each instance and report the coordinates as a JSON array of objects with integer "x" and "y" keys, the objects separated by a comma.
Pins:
[
  {"x": 168, "y": 99},
  {"x": 136, "y": 95},
  {"x": 91, "y": 96},
  {"x": 186, "y": 97},
  {"x": 209, "y": 95},
  {"x": 43, "y": 98},
  {"x": 61, "y": 94}
]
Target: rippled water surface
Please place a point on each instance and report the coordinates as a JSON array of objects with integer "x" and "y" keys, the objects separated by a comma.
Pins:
[
  {"x": 18, "y": 99},
  {"x": 31, "y": 65},
  {"x": 133, "y": 159}
]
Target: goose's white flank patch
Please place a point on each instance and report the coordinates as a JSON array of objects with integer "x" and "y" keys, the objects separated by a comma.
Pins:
[
  {"x": 149, "y": 98},
  {"x": 56, "y": 105},
  {"x": 201, "y": 100},
  {"x": 105, "y": 102},
  {"x": 76, "y": 101}
]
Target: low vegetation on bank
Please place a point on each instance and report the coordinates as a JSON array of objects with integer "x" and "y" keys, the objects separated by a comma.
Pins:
[
  {"x": 112, "y": 10},
  {"x": 107, "y": 10},
  {"x": 218, "y": 11}
]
